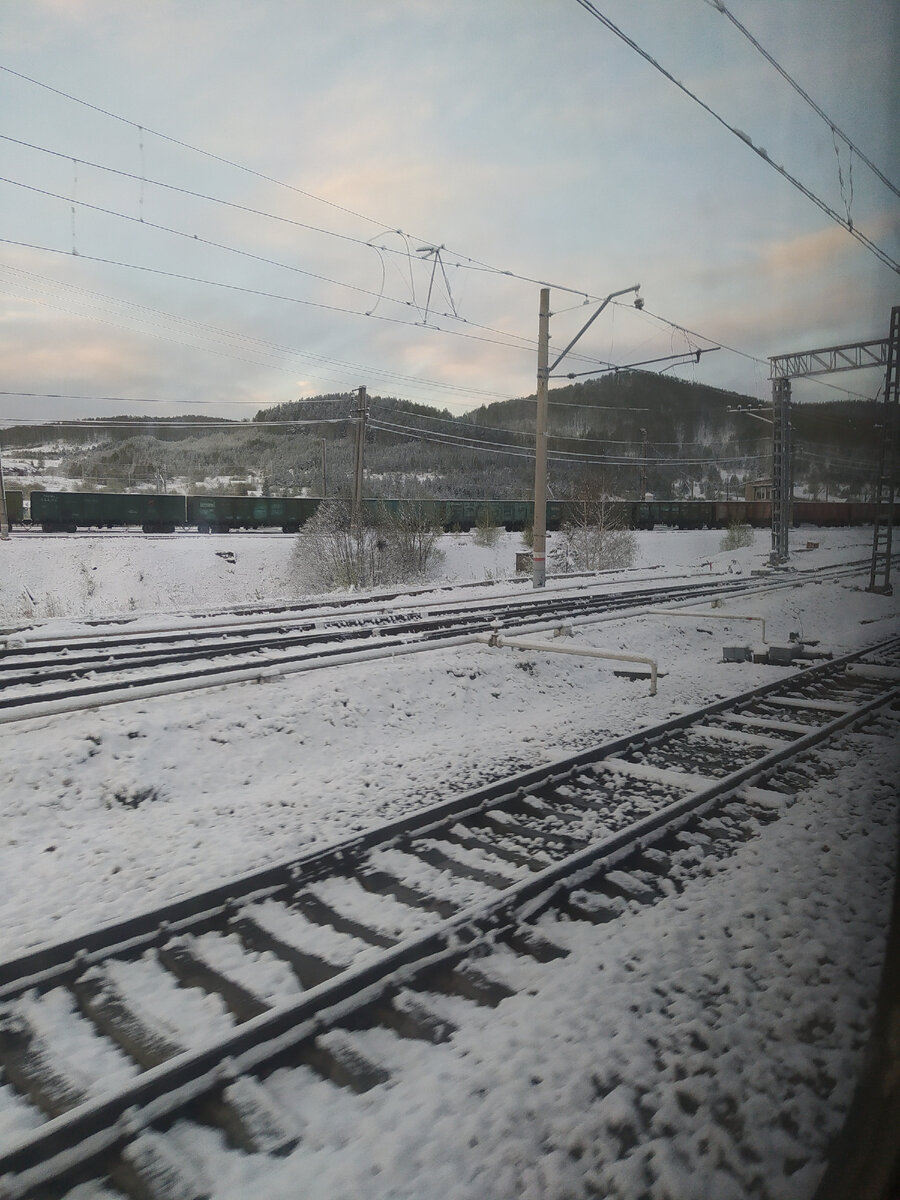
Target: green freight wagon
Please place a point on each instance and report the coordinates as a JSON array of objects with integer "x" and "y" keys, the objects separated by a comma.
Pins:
[
  {"x": 219, "y": 514},
  {"x": 68, "y": 511},
  {"x": 14, "y": 507}
]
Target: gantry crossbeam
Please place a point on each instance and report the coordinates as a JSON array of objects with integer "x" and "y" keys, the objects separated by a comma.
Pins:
[{"x": 830, "y": 359}]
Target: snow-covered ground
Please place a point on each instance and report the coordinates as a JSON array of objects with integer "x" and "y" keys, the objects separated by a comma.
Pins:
[
  {"x": 705, "y": 1048},
  {"x": 54, "y": 575}
]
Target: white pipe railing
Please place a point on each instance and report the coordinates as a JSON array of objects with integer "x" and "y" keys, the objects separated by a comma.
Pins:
[
  {"x": 707, "y": 616},
  {"x": 497, "y": 639}
]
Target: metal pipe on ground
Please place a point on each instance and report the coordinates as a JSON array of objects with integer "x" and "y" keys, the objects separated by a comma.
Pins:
[{"x": 497, "y": 639}]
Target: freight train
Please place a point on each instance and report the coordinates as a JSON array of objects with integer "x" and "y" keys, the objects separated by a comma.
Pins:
[{"x": 68, "y": 512}]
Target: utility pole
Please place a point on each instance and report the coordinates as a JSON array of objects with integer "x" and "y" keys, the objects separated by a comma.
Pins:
[
  {"x": 539, "y": 575},
  {"x": 324, "y": 474},
  {"x": 539, "y": 542},
  {"x": 356, "y": 500},
  {"x": 642, "y": 482},
  {"x": 4, "y": 512}
]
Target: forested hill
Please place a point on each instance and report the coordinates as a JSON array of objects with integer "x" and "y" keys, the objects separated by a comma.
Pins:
[{"x": 622, "y": 433}]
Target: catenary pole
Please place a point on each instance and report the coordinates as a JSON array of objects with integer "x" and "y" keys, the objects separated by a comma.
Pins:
[
  {"x": 4, "y": 512},
  {"x": 356, "y": 503},
  {"x": 540, "y": 448},
  {"x": 539, "y": 568}
]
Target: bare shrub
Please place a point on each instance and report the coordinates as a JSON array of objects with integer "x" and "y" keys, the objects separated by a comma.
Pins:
[
  {"x": 486, "y": 531},
  {"x": 385, "y": 548},
  {"x": 736, "y": 537},
  {"x": 595, "y": 539}
]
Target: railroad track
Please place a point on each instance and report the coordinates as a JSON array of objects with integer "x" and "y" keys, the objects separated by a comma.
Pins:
[
  {"x": 46, "y": 672},
  {"x": 187, "y": 1010}
]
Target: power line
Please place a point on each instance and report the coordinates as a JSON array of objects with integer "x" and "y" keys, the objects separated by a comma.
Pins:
[
  {"x": 466, "y": 263},
  {"x": 90, "y": 423},
  {"x": 835, "y": 129},
  {"x": 763, "y": 362},
  {"x": 560, "y": 437},
  {"x": 187, "y": 146},
  {"x": 559, "y": 456},
  {"x": 122, "y": 399},
  {"x": 844, "y": 222},
  {"x": 195, "y": 237},
  {"x": 253, "y": 342},
  {"x": 266, "y": 295}
]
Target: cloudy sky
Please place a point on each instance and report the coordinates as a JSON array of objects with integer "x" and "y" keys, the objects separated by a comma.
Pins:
[{"x": 316, "y": 152}]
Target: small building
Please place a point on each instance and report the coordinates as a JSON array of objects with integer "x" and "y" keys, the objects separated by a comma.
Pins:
[{"x": 758, "y": 489}]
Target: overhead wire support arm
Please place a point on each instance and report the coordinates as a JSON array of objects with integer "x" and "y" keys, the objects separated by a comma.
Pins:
[
  {"x": 635, "y": 287},
  {"x": 688, "y": 356}
]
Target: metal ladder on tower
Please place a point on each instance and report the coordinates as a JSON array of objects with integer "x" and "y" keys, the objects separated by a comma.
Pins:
[{"x": 886, "y": 487}]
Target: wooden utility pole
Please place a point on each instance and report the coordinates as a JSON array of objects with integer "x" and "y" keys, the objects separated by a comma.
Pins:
[
  {"x": 4, "y": 511},
  {"x": 324, "y": 472},
  {"x": 539, "y": 544},
  {"x": 545, "y": 367},
  {"x": 356, "y": 500}
]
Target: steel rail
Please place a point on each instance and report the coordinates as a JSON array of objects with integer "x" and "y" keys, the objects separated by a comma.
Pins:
[
  {"x": 105, "y": 1125},
  {"x": 48, "y": 964},
  {"x": 435, "y": 628}
]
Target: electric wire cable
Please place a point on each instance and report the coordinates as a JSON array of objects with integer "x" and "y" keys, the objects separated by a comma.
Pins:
[
  {"x": 253, "y": 342},
  {"x": 844, "y": 222},
  {"x": 719, "y": 6}
]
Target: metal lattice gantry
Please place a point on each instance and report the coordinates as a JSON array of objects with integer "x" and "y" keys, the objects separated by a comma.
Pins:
[
  {"x": 886, "y": 487},
  {"x": 782, "y": 475},
  {"x": 827, "y": 360}
]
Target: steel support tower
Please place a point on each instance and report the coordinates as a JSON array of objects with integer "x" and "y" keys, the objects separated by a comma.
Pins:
[
  {"x": 827, "y": 361},
  {"x": 782, "y": 476},
  {"x": 886, "y": 486}
]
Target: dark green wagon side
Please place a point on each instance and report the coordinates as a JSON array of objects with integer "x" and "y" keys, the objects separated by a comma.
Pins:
[
  {"x": 15, "y": 507},
  {"x": 68, "y": 511}
]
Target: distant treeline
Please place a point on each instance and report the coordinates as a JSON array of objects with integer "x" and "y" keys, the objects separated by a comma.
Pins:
[{"x": 636, "y": 431}]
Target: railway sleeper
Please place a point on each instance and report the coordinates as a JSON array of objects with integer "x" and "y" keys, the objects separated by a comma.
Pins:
[
  {"x": 29, "y": 1065},
  {"x": 487, "y": 839},
  {"x": 255, "y": 1121},
  {"x": 581, "y": 904},
  {"x": 149, "y": 1168},
  {"x": 335, "y": 1056},
  {"x": 467, "y": 981},
  {"x": 562, "y": 807},
  {"x": 309, "y": 968},
  {"x": 316, "y": 910},
  {"x": 101, "y": 1003},
  {"x": 442, "y": 858},
  {"x": 180, "y": 957},
  {"x": 407, "y": 1014},
  {"x": 382, "y": 883},
  {"x": 527, "y": 941},
  {"x": 556, "y": 843}
]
